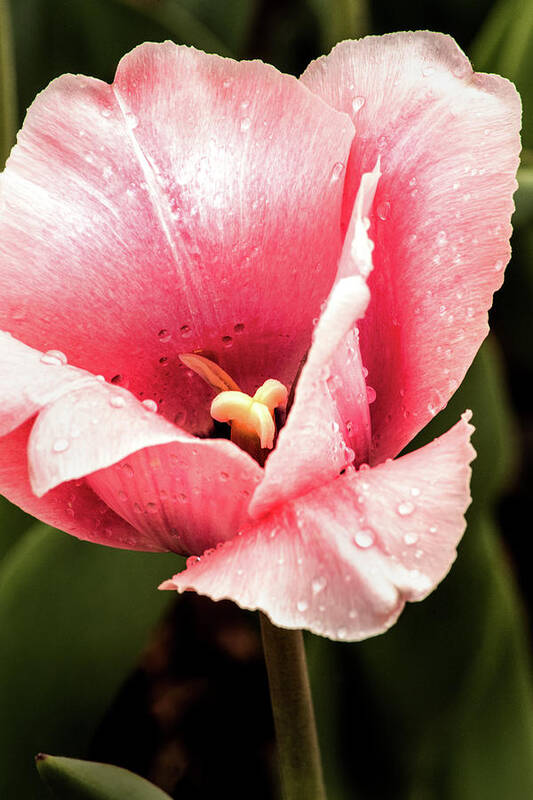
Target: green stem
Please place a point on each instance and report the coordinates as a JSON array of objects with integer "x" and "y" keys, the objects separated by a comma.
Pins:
[
  {"x": 8, "y": 109},
  {"x": 294, "y": 719}
]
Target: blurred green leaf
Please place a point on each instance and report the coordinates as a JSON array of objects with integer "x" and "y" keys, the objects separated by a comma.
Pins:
[
  {"x": 8, "y": 107},
  {"x": 183, "y": 23},
  {"x": 523, "y": 198},
  {"x": 72, "y": 779},
  {"x": 13, "y": 521},
  {"x": 340, "y": 19},
  {"x": 505, "y": 45},
  {"x": 73, "y": 618}
]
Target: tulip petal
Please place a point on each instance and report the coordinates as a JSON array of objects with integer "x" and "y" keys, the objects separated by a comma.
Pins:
[
  {"x": 72, "y": 507},
  {"x": 29, "y": 379},
  {"x": 176, "y": 491},
  {"x": 448, "y": 139},
  {"x": 343, "y": 560},
  {"x": 149, "y": 218},
  {"x": 328, "y": 426}
]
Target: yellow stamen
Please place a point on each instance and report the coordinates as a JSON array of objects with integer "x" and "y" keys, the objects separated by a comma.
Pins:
[
  {"x": 209, "y": 371},
  {"x": 251, "y": 418}
]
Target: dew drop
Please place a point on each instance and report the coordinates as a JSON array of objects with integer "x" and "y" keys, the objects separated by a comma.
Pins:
[
  {"x": 127, "y": 469},
  {"x": 405, "y": 508},
  {"x": 118, "y": 380},
  {"x": 245, "y": 124},
  {"x": 384, "y": 210},
  {"x": 227, "y": 341},
  {"x": 433, "y": 529},
  {"x": 117, "y": 401},
  {"x": 150, "y": 405},
  {"x": 342, "y": 633},
  {"x": 370, "y": 394},
  {"x": 302, "y": 606},
  {"x": 224, "y": 476},
  {"x": 191, "y": 561},
  {"x": 164, "y": 335},
  {"x": 239, "y": 327},
  {"x": 180, "y": 418},
  {"x": 151, "y": 508},
  {"x": 336, "y": 171},
  {"x": 122, "y": 495},
  {"x": 182, "y": 497},
  {"x": 319, "y": 584},
  {"x": 410, "y": 538},
  {"x": 54, "y": 358},
  {"x": 60, "y": 445},
  {"x": 498, "y": 266},
  {"x": 415, "y": 491},
  {"x": 105, "y": 112},
  {"x": 358, "y": 103},
  {"x": 131, "y": 120},
  {"x": 185, "y": 331},
  {"x": 364, "y": 538},
  {"x": 163, "y": 360}
]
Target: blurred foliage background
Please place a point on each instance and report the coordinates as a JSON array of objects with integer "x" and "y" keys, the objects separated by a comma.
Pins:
[{"x": 97, "y": 664}]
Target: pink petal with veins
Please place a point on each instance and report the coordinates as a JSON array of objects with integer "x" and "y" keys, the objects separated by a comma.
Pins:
[
  {"x": 72, "y": 507},
  {"x": 150, "y": 218},
  {"x": 328, "y": 426},
  {"x": 342, "y": 560},
  {"x": 449, "y": 141}
]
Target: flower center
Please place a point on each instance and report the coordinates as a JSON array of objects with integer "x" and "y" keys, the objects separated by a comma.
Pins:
[{"x": 252, "y": 421}]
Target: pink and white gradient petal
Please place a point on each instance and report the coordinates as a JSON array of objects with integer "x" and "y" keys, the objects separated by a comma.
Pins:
[
  {"x": 448, "y": 140},
  {"x": 328, "y": 426},
  {"x": 343, "y": 560},
  {"x": 158, "y": 222},
  {"x": 72, "y": 507}
]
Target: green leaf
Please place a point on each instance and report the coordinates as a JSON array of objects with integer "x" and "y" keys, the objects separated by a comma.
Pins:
[
  {"x": 73, "y": 618},
  {"x": 8, "y": 105},
  {"x": 524, "y": 197},
  {"x": 340, "y": 19},
  {"x": 72, "y": 779},
  {"x": 13, "y": 522},
  {"x": 505, "y": 46}
]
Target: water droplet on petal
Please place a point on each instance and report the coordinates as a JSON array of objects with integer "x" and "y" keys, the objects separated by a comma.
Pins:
[
  {"x": 384, "y": 210},
  {"x": 342, "y": 633},
  {"x": 185, "y": 331},
  {"x": 405, "y": 508},
  {"x": 364, "y": 538},
  {"x": 358, "y": 103},
  {"x": 336, "y": 171},
  {"x": 60, "y": 445},
  {"x": 54, "y": 358},
  {"x": 415, "y": 491},
  {"x": 105, "y": 112},
  {"x": 302, "y": 606},
  {"x": 245, "y": 124},
  {"x": 131, "y": 120},
  {"x": 127, "y": 469},
  {"x": 117, "y": 401},
  {"x": 164, "y": 335},
  {"x": 239, "y": 327},
  {"x": 151, "y": 508},
  {"x": 319, "y": 584},
  {"x": 370, "y": 394},
  {"x": 150, "y": 405},
  {"x": 191, "y": 561},
  {"x": 410, "y": 538},
  {"x": 224, "y": 476},
  {"x": 498, "y": 266},
  {"x": 227, "y": 341}
]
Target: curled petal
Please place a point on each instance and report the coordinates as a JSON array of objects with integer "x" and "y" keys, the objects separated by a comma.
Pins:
[
  {"x": 328, "y": 426},
  {"x": 343, "y": 560},
  {"x": 448, "y": 142}
]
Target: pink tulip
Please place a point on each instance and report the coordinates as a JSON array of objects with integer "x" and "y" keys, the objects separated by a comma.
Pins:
[{"x": 200, "y": 204}]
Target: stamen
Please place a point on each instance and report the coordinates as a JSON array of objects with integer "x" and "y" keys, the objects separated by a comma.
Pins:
[
  {"x": 251, "y": 418},
  {"x": 209, "y": 371}
]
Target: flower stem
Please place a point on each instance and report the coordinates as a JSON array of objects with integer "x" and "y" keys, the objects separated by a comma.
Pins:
[{"x": 292, "y": 707}]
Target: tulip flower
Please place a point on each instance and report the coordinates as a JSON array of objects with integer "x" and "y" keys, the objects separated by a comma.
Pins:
[{"x": 230, "y": 299}]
